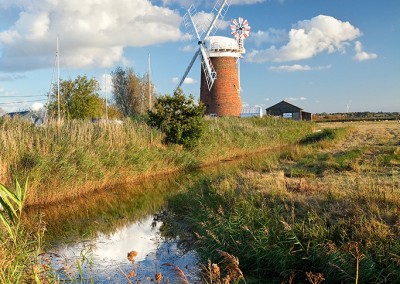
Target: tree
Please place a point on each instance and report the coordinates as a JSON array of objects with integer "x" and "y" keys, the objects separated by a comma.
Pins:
[
  {"x": 113, "y": 112},
  {"x": 127, "y": 91},
  {"x": 179, "y": 118},
  {"x": 135, "y": 91},
  {"x": 79, "y": 99}
]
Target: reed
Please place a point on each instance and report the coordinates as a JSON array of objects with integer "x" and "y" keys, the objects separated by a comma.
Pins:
[
  {"x": 70, "y": 159},
  {"x": 316, "y": 211},
  {"x": 19, "y": 247}
]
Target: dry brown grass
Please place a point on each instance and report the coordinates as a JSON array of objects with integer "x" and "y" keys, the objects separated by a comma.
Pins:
[
  {"x": 335, "y": 205},
  {"x": 368, "y": 133}
]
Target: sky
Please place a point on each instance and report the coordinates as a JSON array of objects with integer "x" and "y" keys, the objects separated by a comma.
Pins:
[{"x": 321, "y": 55}]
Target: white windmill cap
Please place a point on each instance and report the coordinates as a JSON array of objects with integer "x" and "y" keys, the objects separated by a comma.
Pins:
[{"x": 220, "y": 46}]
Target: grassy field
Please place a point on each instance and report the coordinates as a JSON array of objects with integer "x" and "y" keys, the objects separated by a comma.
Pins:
[
  {"x": 316, "y": 206},
  {"x": 69, "y": 160},
  {"x": 326, "y": 210}
]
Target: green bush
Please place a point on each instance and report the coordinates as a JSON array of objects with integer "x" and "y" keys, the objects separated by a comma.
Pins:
[{"x": 179, "y": 118}]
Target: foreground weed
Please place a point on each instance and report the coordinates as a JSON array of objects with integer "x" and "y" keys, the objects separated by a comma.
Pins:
[
  {"x": 178, "y": 272},
  {"x": 315, "y": 278},
  {"x": 354, "y": 249},
  {"x": 133, "y": 273},
  {"x": 11, "y": 205},
  {"x": 231, "y": 272},
  {"x": 19, "y": 249},
  {"x": 133, "y": 277}
]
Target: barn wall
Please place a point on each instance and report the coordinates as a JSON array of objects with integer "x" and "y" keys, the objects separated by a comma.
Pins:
[
  {"x": 296, "y": 116},
  {"x": 283, "y": 109},
  {"x": 306, "y": 116}
]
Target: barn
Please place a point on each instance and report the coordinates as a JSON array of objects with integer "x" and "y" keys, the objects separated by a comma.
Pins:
[{"x": 287, "y": 110}]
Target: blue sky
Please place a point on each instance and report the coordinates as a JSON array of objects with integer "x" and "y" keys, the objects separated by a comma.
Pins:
[{"x": 322, "y": 55}]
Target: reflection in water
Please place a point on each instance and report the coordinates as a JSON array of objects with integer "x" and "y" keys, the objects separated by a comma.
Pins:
[
  {"x": 99, "y": 230},
  {"x": 105, "y": 212},
  {"x": 108, "y": 255}
]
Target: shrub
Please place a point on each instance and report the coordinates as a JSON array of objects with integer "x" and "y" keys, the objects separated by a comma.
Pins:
[{"x": 179, "y": 118}]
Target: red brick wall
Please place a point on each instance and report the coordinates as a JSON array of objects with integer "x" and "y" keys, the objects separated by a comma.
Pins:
[{"x": 223, "y": 98}]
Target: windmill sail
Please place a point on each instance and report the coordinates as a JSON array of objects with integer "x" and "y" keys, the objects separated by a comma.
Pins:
[{"x": 218, "y": 12}]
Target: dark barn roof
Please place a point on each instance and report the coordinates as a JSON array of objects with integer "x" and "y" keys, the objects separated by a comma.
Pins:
[{"x": 284, "y": 107}]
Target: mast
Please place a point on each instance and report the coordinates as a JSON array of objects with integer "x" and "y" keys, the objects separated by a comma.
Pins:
[
  {"x": 148, "y": 81},
  {"x": 58, "y": 82},
  {"x": 51, "y": 86},
  {"x": 105, "y": 90}
]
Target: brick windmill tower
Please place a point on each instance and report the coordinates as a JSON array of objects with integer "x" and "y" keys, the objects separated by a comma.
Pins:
[{"x": 220, "y": 63}]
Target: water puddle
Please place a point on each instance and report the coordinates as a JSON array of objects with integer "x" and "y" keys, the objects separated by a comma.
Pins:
[{"x": 104, "y": 259}]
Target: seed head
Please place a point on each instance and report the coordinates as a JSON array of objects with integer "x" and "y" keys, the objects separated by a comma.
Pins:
[
  {"x": 132, "y": 255},
  {"x": 158, "y": 277}
]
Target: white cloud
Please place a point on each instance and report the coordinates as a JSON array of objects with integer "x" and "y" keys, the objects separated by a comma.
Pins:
[
  {"x": 189, "y": 48},
  {"x": 297, "y": 67},
  {"x": 106, "y": 84},
  {"x": 210, "y": 3},
  {"x": 37, "y": 106},
  {"x": 10, "y": 102},
  {"x": 94, "y": 34},
  {"x": 309, "y": 38},
  {"x": 4, "y": 93},
  {"x": 246, "y": 2},
  {"x": 362, "y": 55},
  {"x": 202, "y": 21},
  {"x": 187, "y": 80},
  {"x": 296, "y": 99},
  {"x": 269, "y": 36},
  {"x": 10, "y": 78}
]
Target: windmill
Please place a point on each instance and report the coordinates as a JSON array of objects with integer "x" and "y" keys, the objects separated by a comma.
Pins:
[
  {"x": 240, "y": 30},
  {"x": 220, "y": 96}
]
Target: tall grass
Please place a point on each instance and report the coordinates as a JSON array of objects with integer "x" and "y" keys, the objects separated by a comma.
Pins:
[
  {"x": 19, "y": 247},
  {"x": 70, "y": 159},
  {"x": 228, "y": 137},
  {"x": 341, "y": 224}
]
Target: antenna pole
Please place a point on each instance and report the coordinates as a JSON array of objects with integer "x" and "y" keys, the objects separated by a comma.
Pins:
[
  {"x": 51, "y": 87},
  {"x": 105, "y": 90},
  {"x": 58, "y": 82},
  {"x": 149, "y": 81}
]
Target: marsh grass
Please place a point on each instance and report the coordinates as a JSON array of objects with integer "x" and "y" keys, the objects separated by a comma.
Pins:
[
  {"x": 19, "y": 247},
  {"x": 226, "y": 272},
  {"x": 337, "y": 217},
  {"x": 68, "y": 160}
]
